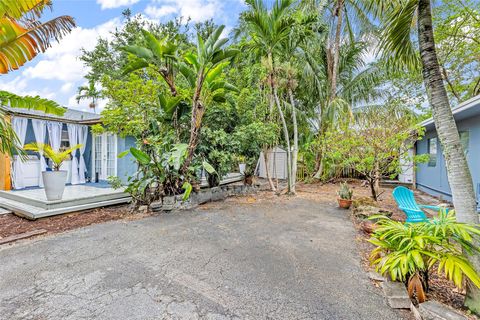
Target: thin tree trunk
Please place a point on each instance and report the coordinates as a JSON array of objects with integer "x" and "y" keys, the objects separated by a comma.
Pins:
[
  {"x": 336, "y": 53},
  {"x": 377, "y": 179},
  {"x": 371, "y": 183},
  {"x": 267, "y": 170},
  {"x": 321, "y": 131},
  {"x": 458, "y": 173},
  {"x": 295, "y": 141},
  {"x": 287, "y": 140},
  {"x": 271, "y": 104}
]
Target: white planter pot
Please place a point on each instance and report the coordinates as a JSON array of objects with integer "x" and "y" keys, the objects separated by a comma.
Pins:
[
  {"x": 242, "y": 167},
  {"x": 54, "y": 183}
]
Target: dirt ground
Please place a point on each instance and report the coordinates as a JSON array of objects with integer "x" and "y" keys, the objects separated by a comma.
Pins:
[{"x": 11, "y": 224}]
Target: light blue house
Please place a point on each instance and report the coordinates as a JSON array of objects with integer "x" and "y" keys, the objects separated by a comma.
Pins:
[
  {"x": 95, "y": 162},
  {"x": 431, "y": 177}
]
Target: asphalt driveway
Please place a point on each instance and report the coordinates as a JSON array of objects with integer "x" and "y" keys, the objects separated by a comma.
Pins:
[{"x": 296, "y": 259}]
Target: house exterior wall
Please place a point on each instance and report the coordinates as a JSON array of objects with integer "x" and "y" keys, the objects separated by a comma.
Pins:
[
  {"x": 126, "y": 166},
  {"x": 30, "y": 137},
  {"x": 433, "y": 179}
]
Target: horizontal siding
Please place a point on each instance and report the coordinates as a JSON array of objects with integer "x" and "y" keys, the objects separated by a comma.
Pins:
[{"x": 433, "y": 180}]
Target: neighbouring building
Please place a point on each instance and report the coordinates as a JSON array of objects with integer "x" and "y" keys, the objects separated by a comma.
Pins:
[
  {"x": 431, "y": 177},
  {"x": 95, "y": 161}
]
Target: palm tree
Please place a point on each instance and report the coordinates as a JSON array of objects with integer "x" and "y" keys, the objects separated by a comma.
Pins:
[
  {"x": 398, "y": 17},
  {"x": 89, "y": 92},
  {"x": 358, "y": 84},
  {"x": 23, "y": 36},
  {"x": 347, "y": 19},
  {"x": 269, "y": 32}
]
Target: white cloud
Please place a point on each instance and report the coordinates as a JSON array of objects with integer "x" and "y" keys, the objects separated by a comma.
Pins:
[
  {"x": 159, "y": 12},
  {"x": 19, "y": 85},
  {"x": 60, "y": 62},
  {"x": 66, "y": 87},
  {"x": 111, "y": 4},
  {"x": 58, "y": 72},
  {"x": 197, "y": 10}
]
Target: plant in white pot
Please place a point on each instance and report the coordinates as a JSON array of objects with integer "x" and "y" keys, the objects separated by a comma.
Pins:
[
  {"x": 53, "y": 181},
  {"x": 241, "y": 164}
]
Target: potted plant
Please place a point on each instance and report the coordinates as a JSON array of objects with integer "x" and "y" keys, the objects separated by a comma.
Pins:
[
  {"x": 241, "y": 164},
  {"x": 54, "y": 181},
  {"x": 345, "y": 196}
]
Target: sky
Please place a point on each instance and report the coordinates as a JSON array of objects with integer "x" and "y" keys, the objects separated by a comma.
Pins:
[{"x": 57, "y": 73}]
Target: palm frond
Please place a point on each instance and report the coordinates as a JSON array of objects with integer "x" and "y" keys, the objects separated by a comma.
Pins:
[
  {"x": 19, "y": 8},
  {"x": 396, "y": 45},
  {"x": 20, "y": 44},
  {"x": 29, "y": 102},
  {"x": 57, "y": 157},
  {"x": 8, "y": 139}
]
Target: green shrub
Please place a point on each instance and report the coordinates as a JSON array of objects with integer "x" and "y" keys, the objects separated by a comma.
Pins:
[{"x": 409, "y": 252}]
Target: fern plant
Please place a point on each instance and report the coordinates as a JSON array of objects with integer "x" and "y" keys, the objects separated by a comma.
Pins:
[
  {"x": 57, "y": 157},
  {"x": 409, "y": 252}
]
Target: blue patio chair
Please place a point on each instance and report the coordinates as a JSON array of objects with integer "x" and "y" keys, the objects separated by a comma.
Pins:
[{"x": 406, "y": 202}]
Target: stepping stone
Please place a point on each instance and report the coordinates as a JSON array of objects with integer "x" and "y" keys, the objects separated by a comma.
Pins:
[
  {"x": 433, "y": 310},
  {"x": 396, "y": 294}
]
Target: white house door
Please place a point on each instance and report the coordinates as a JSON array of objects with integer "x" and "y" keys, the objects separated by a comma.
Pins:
[{"x": 104, "y": 156}]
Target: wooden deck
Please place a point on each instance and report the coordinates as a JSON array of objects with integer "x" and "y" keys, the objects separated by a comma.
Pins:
[{"x": 32, "y": 203}]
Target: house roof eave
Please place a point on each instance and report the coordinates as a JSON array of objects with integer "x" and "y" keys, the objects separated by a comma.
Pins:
[{"x": 457, "y": 111}]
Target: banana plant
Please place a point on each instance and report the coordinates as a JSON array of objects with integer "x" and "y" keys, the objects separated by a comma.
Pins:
[
  {"x": 204, "y": 70},
  {"x": 23, "y": 36},
  {"x": 57, "y": 157},
  {"x": 160, "y": 54},
  {"x": 161, "y": 171}
]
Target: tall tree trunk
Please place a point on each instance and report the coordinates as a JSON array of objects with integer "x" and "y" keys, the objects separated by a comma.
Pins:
[
  {"x": 336, "y": 51},
  {"x": 322, "y": 128},
  {"x": 287, "y": 140},
  {"x": 458, "y": 173},
  {"x": 295, "y": 141},
  {"x": 265, "y": 152}
]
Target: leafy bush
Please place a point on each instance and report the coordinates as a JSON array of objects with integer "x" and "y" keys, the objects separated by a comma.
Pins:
[
  {"x": 115, "y": 182},
  {"x": 217, "y": 148},
  {"x": 251, "y": 139},
  {"x": 159, "y": 172},
  {"x": 408, "y": 252}
]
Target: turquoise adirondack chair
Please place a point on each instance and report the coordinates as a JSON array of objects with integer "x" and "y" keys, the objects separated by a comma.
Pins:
[{"x": 406, "y": 202}]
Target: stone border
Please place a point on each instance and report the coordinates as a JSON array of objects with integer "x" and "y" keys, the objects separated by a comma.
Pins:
[
  {"x": 396, "y": 296},
  {"x": 176, "y": 202}
]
